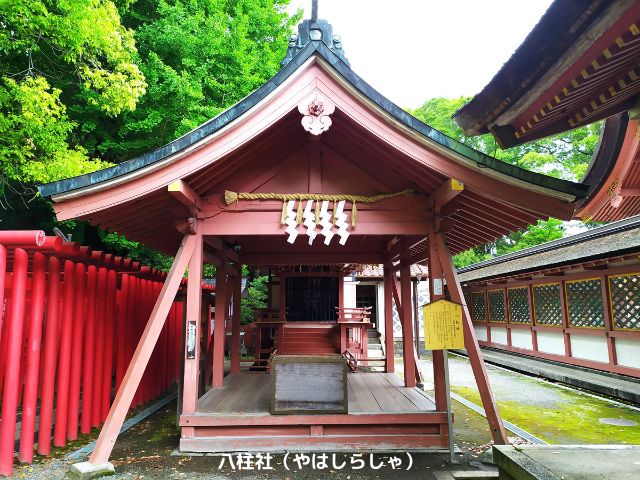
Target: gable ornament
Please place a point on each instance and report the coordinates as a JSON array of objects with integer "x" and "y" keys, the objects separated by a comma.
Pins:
[{"x": 316, "y": 110}]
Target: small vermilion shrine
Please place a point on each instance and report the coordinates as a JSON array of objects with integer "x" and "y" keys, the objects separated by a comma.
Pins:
[{"x": 311, "y": 174}]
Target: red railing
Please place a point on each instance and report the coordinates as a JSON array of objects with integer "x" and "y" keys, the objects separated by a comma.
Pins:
[{"x": 70, "y": 321}]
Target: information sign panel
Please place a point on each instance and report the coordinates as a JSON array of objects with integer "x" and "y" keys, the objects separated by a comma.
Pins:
[{"x": 443, "y": 325}]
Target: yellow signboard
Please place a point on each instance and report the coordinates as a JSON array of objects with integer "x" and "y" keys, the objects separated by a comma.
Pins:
[{"x": 442, "y": 325}]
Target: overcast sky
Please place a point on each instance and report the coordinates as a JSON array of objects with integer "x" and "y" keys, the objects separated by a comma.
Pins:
[{"x": 413, "y": 50}]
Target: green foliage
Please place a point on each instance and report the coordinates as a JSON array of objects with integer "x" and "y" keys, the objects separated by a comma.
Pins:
[
  {"x": 135, "y": 250},
  {"x": 54, "y": 53},
  {"x": 199, "y": 57},
  {"x": 566, "y": 155},
  {"x": 257, "y": 298},
  {"x": 76, "y": 95},
  {"x": 469, "y": 257}
]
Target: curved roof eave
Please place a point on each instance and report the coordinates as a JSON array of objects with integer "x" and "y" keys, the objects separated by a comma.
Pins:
[{"x": 482, "y": 160}]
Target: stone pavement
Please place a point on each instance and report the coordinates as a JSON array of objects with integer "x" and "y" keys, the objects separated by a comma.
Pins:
[{"x": 618, "y": 386}]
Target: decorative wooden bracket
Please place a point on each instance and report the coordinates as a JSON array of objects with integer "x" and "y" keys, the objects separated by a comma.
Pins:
[
  {"x": 446, "y": 192},
  {"x": 182, "y": 192},
  {"x": 316, "y": 110}
]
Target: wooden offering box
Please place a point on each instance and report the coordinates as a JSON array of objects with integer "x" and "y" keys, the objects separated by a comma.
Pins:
[{"x": 309, "y": 384}]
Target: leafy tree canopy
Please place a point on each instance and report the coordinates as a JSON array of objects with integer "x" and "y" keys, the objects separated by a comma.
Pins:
[
  {"x": 54, "y": 53},
  {"x": 88, "y": 83},
  {"x": 199, "y": 57},
  {"x": 566, "y": 156}
]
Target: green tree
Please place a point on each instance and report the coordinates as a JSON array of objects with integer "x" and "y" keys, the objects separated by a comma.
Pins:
[
  {"x": 257, "y": 298},
  {"x": 53, "y": 53},
  {"x": 566, "y": 155},
  {"x": 199, "y": 57}
]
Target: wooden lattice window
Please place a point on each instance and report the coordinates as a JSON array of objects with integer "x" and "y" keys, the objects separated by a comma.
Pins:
[
  {"x": 467, "y": 300},
  {"x": 547, "y": 308},
  {"x": 625, "y": 301},
  {"x": 497, "y": 308},
  {"x": 479, "y": 307},
  {"x": 584, "y": 303},
  {"x": 518, "y": 299}
]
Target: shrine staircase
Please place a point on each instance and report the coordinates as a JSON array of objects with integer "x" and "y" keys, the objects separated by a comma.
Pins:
[
  {"x": 376, "y": 355},
  {"x": 310, "y": 339}
]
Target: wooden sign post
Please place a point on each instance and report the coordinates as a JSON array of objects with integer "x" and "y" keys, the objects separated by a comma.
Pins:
[{"x": 443, "y": 330}]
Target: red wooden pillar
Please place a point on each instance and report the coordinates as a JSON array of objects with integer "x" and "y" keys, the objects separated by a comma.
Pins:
[
  {"x": 133, "y": 310},
  {"x": 218, "y": 325},
  {"x": 193, "y": 330},
  {"x": 64, "y": 362},
  {"x": 33, "y": 359},
  {"x": 3, "y": 272},
  {"x": 98, "y": 359},
  {"x": 235, "y": 327},
  {"x": 50, "y": 354},
  {"x": 123, "y": 320},
  {"x": 11, "y": 392},
  {"x": 436, "y": 280},
  {"x": 109, "y": 337},
  {"x": 89, "y": 348},
  {"x": 76, "y": 353},
  {"x": 407, "y": 327},
  {"x": 389, "y": 363}
]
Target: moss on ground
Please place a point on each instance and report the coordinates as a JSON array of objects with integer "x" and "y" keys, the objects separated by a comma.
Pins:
[{"x": 576, "y": 421}]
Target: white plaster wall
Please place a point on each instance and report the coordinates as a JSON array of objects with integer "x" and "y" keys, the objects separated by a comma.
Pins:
[
  {"x": 628, "y": 352},
  {"x": 589, "y": 347},
  {"x": 481, "y": 332},
  {"x": 551, "y": 342},
  {"x": 380, "y": 306},
  {"x": 499, "y": 335},
  {"x": 349, "y": 291},
  {"x": 521, "y": 339}
]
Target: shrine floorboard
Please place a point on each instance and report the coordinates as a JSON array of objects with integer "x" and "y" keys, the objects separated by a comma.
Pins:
[{"x": 384, "y": 415}]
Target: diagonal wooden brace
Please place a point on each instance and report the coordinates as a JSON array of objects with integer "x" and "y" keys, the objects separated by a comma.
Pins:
[
  {"x": 471, "y": 343},
  {"x": 118, "y": 411}
]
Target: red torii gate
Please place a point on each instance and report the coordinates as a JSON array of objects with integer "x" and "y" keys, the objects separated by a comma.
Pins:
[{"x": 315, "y": 130}]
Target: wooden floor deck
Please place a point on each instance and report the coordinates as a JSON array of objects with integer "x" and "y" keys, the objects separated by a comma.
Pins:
[
  {"x": 383, "y": 415},
  {"x": 368, "y": 393}
]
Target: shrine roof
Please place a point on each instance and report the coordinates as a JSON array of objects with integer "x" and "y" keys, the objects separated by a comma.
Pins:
[
  {"x": 297, "y": 56},
  {"x": 577, "y": 65},
  {"x": 611, "y": 240}
]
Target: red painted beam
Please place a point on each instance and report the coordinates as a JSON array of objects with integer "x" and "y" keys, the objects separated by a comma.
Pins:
[
  {"x": 64, "y": 362},
  {"x": 12, "y": 382},
  {"x": 22, "y": 238},
  {"x": 76, "y": 352},
  {"x": 50, "y": 357}
]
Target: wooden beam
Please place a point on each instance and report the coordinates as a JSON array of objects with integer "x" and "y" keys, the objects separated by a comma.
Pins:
[
  {"x": 280, "y": 258},
  {"x": 407, "y": 328},
  {"x": 219, "y": 326},
  {"x": 389, "y": 364},
  {"x": 436, "y": 275},
  {"x": 211, "y": 259},
  {"x": 194, "y": 311},
  {"x": 221, "y": 246},
  {"x": 182, "y": 192},
  {"x": 471, "y": 344},
  {"x": 446, "y": 192},
  {"x": 235, "y": 326},
  {"x": 142, "y": 354}
]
